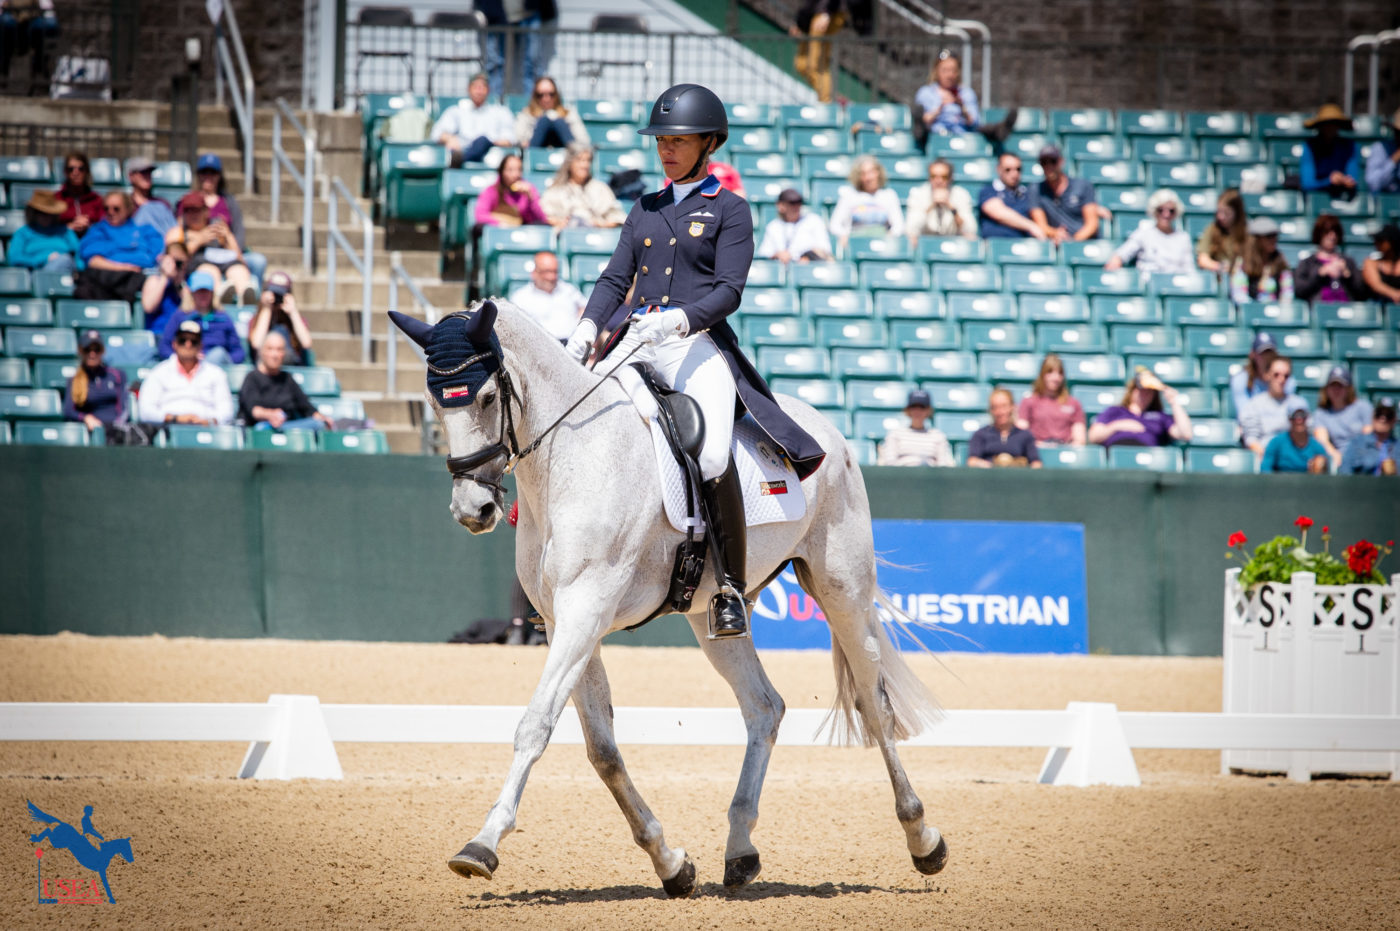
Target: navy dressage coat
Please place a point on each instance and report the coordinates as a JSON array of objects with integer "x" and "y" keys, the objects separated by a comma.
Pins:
[{"x": 695, "y": 255}]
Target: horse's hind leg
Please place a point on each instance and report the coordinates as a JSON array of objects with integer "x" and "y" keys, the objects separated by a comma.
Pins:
[
  {"x": 593, "y": 699},
  {"x": 762, "y": 707},
  {"x": 864, "y": 655}
]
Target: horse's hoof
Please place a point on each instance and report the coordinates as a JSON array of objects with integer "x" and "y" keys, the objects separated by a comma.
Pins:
[
  {"x": 474, "y": 860},
  {"x": 934, "y": 861},
  {"x": 682, "y": 884},
  {"x": 740, "y": 871}
]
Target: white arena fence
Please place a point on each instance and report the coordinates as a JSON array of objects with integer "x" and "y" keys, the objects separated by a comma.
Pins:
[{"x": 294, "y": 736}]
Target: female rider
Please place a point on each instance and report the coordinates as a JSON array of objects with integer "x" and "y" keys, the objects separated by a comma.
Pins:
[{"x": 688, "y": 248}]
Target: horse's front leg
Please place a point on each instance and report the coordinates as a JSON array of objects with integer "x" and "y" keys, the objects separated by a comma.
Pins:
[
  {"x": 762, "y": 708},
  {"x": 572, "y": 641},
  {"x": 593, "y": 698}
]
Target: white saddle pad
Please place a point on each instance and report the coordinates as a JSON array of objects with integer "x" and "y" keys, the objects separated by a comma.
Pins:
[{"x": 772, "y": 492}]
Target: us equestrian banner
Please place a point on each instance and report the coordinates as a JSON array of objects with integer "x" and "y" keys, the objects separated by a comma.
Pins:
[{"x": 970, "y": 586}]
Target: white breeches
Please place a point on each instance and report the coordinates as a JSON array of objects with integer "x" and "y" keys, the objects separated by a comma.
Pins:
[{"x": 692, "y": 364}]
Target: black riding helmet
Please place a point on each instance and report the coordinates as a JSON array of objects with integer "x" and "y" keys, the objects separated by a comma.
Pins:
[{"x": 685, "y": 109}]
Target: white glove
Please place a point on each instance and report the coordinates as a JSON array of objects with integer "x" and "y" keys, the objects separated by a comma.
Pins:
[
  {"x": 653, "y": 328},
  {"x": 581, "y": 341}
]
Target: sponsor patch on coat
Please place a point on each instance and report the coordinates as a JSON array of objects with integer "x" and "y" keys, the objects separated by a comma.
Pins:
[
  {"x": 461, "y": 391},
  {"x": 697, "y": 229},
  {"x": 772, "y": 488}
]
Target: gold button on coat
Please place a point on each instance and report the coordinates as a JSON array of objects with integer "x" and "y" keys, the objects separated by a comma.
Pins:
[
  {"x": 647, "y": 241},
  {"x": 668, "y": 271},
  {"x": 665, "y": 299},
  {"x": 644, "y": 270},
  {"x": 673, "y": 240}
]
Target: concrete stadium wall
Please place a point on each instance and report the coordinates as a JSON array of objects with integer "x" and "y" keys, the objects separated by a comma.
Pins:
[{"x": 202, "y": 543}]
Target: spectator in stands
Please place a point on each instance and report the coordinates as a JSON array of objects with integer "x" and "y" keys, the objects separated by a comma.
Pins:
[
  {"x": 471, "y": 128},
  {"x": 1004, "y": 206},
  {"x": 816, "y": 21},
  {"x": 1064, "y": 208},
  {"x": 1158, "y": 244},
  {"x": 1328, "y": 275},
  {"x": 164, "y": 294},
  {"x": 727, "y": 176},
  {"x": 1383, "y": 164},
  {"x": 213, "y": 249},
  {"x": 44, "y": 242},
  {"x": 223, "y": 206},
  {"x": 794, "y": 236},
  {"x": 1266, "y": 415},
  {"x": 526, "y": 17},
  {"x": 1253, "y": 377},
  {"x": 576, "y": 198},
  {"x": 96, "y": 393},
  {"x": 1295, "y": 450},
  {"x": 1341, "y": 415},
  {"x": 1222, "y": 243},
  {"x": 867, "y": 207},
  {"x": 944, "y": 106},
  {"x": 939, "y": 208},
  {"x": 278, "y": 313},
  {"x": 1050, "y": 412},
  {"x": 219, "y": 339},
  {"x": 1381, "y": 271},
  {"x": 82, "y": 205},
  {"x": 271, "y": 399},
  {"x": 1373, "y": 453},
  {"x": 546, "y": 123},
  {"x": 116, "y": 253},
  {"x": 184, "y": 388},
  {"x": 512, "y": 200},
  {"x": 151, "y": 211},
  {"x": 1002, "y": 443},
  {"x": 917, "y": 444},
  {"x": 1139, "y": 420},
  {"x": 553, "y": 304},
  {"x": 1330, "y": 162},
  {"x": 1261, "y": 272}
]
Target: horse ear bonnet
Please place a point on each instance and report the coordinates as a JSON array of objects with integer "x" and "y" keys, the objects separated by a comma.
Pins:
[{"x": 461, "y": 357}]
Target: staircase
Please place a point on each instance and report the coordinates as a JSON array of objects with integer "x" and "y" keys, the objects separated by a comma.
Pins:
[{"x": 335, "y": 325}]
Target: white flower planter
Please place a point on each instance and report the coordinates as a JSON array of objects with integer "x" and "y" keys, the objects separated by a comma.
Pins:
[{"x": 1304, "y": 648}]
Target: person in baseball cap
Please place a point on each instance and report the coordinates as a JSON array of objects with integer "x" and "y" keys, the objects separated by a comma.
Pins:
[
  {"x": 917, "y": 444},
  {"x": 1259, "y": 272},
  {"x": 1295, "y": 449},
  {"x": 278, "y": 312},
  {"x": 1253, "y": 377},
  {"x": 221, "y": 343},
  {"x": 1374, "y": 453},
  {"x": 1065, "y": 208},
  {"x": 151, "y": 211},
  {"x": 96, "y": 394},
  {"x": 794, "y": 236}
]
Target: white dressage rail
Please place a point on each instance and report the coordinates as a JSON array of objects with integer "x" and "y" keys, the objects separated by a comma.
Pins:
[{"x": 294, "y": 736}]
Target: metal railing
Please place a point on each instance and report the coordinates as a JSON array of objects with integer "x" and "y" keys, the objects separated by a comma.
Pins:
[
  {"x": 1373, "y": 71},
  {"x": 228, "y": 44},
  {"x": 304, "y": 179},
  {"x": 363, "y": 262},
  {"x": 398, "y": 275}
]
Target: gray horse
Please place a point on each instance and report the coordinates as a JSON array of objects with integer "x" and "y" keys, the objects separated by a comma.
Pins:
[{"x": 594, "y": 552}]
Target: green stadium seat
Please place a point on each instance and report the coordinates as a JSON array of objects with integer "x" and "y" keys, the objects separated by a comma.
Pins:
[
  {"x": 839, "y": 418},
  {"x": 1000, "y": 337},
  {"x": 106, "y": 315},
  {"x": 1175, "y": 370},
  {"x": 1217, "y": 432},
  {"x": 459, "y": 187},
  {"x": 1217, "y": 371},
  {"x": 1378, "y": 376},
  {"x": 41, "y": 342},
  {"x": 924, "y": 334},
  {"x": 1200, "y": 401},
  {"x": 1281, "y": 125},
  {"x": 1128, "y": 201},
  {"x": 766, "y": 165},
  {"x": 1319, "y": 203},
  {"x": 586, "y": 241},
  {"x": 1311, "y": 373},
  {"x": 808, "y": 141},
  {"x": 52, "y": 373},
  {"x": 1189, "y": 284},
  {"x": 30, "y": 404},
  {"x": 5, "y": 433},
  {"x": 957, "y": 425},
  {"x": 53, "y": 284},
  {"x": 1054, "y": 308},
  {"x": 173, "y": 174},
  {"x": 521, "y": 239},
  {"x": 1221, "y": 461},
  {"x": 779, "y": 331},
  {"x": 607, "y": 136},
  {"x": 889, "y": 116},
  {"x": 1070, "y": 337},
  {"x": 544, "y": 160},
  {"x": 1145, "y": 458},
  {"x": 607, "y": 110},
  {"x": 769, "y": 301},
  {"x": 1072, "y": 457},
  {"x": 315, "y": 380},
  {"x": 1218, "y": 341},
  {"x": 1217, "y": 123},
  {"x": 1111, "y": 309},
  {"x": 793, "y": 362},
  {"x": 1081, "y": 121},
  {"x": 1199, "y": 311},
  {"x": 371, "y": 442},
  {"x": 873, "y": 425},
  {"x": 850, "y": 333},
  {"x": 1092, "y": 368},
  {"x": 760, "y": 139},
  {"x": 1233, "y": 174},
  {"x": 1028, "y": 148},
  {"x": 959, "y": 145},
  {"x": 14, "y": 373},
  {"x": 886, "y": 248},
  {"x": 945, "y": 365},
  {"x": 1120, "y": 171},
  {"x": 897, "y": 143},
  {"x": 901, "y": 168},
  {"x": 1003, "y": 251},
  {"x": 236, "y": 374},
  {"x": 507, "y": 270},
  {"x": 374, "y": 107},
  {"x": 1234, "y": 151},
  {"x": 825, "y": 275},
  {"x": 1361, "y": 344},
  {"x": 974, "y": 306},
  {"x": 1286, "y": 153},
  {"x": 1199, "y": 204},
  {"x": 836, "y": 302},
  {"x": 818, "y": 392},
  {"x": 973, "y": 172},
  {"x": 964, "y": 398},
  {"x": 29, "y": 311},
  {"x": 50, "y": 434},
  {"x": 867, "y": 363},
  {"x": 32, "y": 168},
  {"x": 135, "y": 344},
  {"x": 810, "y": 115},
  {"x": 1147, "y": 340},
  {"x": 998, "y": 367},
  {"x": 292, "y": 441},
  {"x": 10, "y": 221},
  {"x": 1096, "y": 398},
  {"x": 1149, "y": 123},
  {"x": 766, "y": 273},
  {"x": 1028, "y": 119},
  {"x": 611, "y": 161},
  {"x": 951, "y": 249},
  {"x": 1100, "y": 281},
  {"x": 584, "y": 270},
  {"x": 1084, "y": 149},
  {"x": 865, "y": 451},
  {"x": 341, "y": 408},
  {"x": 1177, "y": 175},
  {"x": 1274, "y": 204},
  {"x": 411, "y": 180},
  {"x": 750, "y": 114},
  {"x": 906, "y": 276},
  {"x": 1039, "y": 279},
  {"x": 1165, "y": 149},
  {"x": 1304, "y": 344},
  {"x": 826, "y": 166},
  {"x": 886, "y": 395},
  {"x": 908, "y": 305},
  {"x": 967, "y": 278},
  {"x": 15, "y": 281}
]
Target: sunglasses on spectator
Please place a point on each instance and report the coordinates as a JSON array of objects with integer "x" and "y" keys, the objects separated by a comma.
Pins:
[
  {"x": 186, "y": 339},
  {"x": 72, "y": 168},
  {"x": 95, "y": 347},
  {"x": 1168, "y": 211},
  {"x": 1385, "y": 415},
  {"x": 113, "y": 208},
  {"x": 546, "y": 94}
]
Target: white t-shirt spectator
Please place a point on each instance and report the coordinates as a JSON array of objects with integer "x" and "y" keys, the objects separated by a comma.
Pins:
[
  {"x": 926, "y": 219},
  {"x": 860, "y": 213},
  {"x": 1157, "y": 251},
  {"x": 808, "y": 234},
  {"x": 557, "y": 311},
  {"x": 170, "y": 391},
  {"x": 467, "y": 121},
  {"x": 905, "y": 446}
]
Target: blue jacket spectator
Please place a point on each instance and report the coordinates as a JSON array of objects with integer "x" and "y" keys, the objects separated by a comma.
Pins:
[
  {"x": 1329, "y": 162},
  {"x": 1373, "y": 453},
  {"x": 150, "y": 210},
  {"x": 222, "y": 344},
  {"x": 1004, "y": 206},
  {"x": 117, "y": 244},
  {"x": 1383, "y": 164},
  {"x": 44, "y": 241}
]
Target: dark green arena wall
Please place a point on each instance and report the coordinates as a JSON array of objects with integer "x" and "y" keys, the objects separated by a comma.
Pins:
[{"x": 204, "y": 543}]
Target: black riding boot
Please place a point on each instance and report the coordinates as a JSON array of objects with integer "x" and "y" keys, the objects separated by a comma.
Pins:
[{"x": 724, "y": 505}]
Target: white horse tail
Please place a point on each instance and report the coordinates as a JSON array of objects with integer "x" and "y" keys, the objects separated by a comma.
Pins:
[{"x": 911, "y": 705}]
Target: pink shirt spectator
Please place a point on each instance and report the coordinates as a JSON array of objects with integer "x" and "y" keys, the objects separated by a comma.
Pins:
[
  {"x": 523, "y": 200},
  {"x": 1050, "y": 420}
]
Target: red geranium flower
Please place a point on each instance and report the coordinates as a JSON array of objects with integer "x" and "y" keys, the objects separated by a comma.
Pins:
[
  {"x": 1361, "y": 557},
  {"x": 1325, "y": 528},
  {"x": 1303, "y": 522},
  {"x": 1238, "y": 538}
]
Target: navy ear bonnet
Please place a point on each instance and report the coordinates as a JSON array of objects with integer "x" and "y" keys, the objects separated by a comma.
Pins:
[{"x": 460, "y": 359}]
